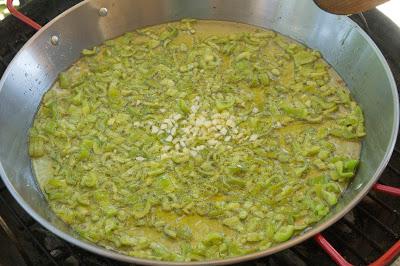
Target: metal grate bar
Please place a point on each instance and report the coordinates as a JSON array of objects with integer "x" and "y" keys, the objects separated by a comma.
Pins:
[
  {"x": 301, "y": 256},
  {"x": 36, "y": 241},
  {"x": 384, "y": 226},
  {"x": 344, "y": 244},
  {"x": 14, "y": 240},
  {"x": 273, "y": 258},
  {"x": 384, "y": 205},
  {"x": 393, "y": 169},
  {"x": 364, "y": 235}
]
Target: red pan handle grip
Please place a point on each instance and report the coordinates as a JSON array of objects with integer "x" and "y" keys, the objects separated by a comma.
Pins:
[
  {"x": 332, "y": 252},
  {"x": 394, "y": 191},
  {"x": 388, "y": 257},
  {"x": 21, "y": 16}
]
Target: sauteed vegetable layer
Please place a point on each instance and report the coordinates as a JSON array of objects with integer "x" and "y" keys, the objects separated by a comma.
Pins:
[{"x": 195, "y": 140}]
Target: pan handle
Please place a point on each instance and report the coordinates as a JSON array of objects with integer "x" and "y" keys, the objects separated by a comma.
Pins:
[
  {"x": 394, "y": 191},
  {"x": 332, "y": 252},
  {"x": 21, "y": 16}
]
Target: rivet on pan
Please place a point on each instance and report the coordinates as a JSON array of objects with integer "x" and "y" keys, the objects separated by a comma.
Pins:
[
  {"x": 103, "y": 12},
  {"x": 54, "y": 40}
]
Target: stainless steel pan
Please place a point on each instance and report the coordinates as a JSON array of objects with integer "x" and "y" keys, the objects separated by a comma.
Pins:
[{"x": 57, "y": 45}]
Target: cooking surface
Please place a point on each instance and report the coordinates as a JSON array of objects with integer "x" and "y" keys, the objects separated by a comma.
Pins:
[{"x": 361, "y": 236}]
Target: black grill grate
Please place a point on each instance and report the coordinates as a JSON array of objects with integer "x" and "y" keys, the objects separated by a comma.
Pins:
[{"x": 361, "y": 236}]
